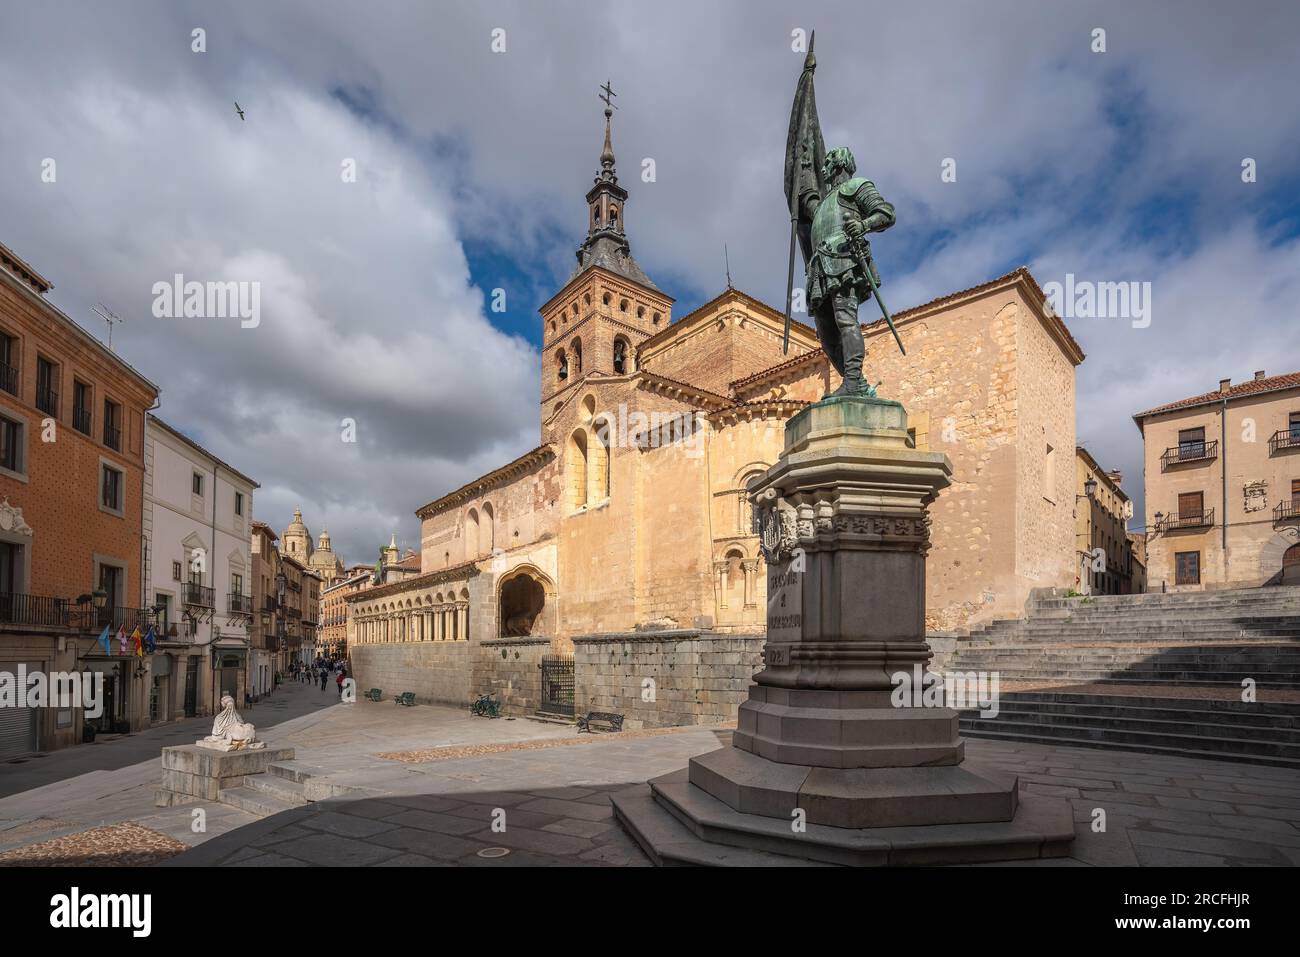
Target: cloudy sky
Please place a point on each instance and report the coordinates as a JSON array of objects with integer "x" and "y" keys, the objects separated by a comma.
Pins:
[{"x": 1119, "y": 166}]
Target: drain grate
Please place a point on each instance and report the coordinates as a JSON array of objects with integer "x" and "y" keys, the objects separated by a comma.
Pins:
[{"x": 494, "y": 852}]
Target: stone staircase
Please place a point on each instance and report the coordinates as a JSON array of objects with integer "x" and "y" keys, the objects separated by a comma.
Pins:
[
  {"x": 1160, "y": 673},
  {"x": 284, "y": 786}
]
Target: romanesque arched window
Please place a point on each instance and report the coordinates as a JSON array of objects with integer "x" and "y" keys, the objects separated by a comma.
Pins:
[
  {"x": 577, "y": 469},
  {"x": 487, "y": 530},
  {"x": 620, "y": 355},
  {"x": 471, "y": 534},
  {"x": 598, "y": 467},
  {"x": 561, "y": 365}
]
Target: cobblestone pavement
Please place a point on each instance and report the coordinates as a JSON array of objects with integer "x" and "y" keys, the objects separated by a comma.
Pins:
[
  {"x": 116, "y": 845},
  {"x": 459, "y": 776}
]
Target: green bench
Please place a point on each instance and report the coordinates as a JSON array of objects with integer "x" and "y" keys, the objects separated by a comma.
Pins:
[
  {"x": 406, "y": 699},
  {"x": 374, "y": 694}
]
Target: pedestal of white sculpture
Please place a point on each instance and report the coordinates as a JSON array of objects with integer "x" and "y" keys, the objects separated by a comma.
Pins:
[{"x": 824, "y": 765}]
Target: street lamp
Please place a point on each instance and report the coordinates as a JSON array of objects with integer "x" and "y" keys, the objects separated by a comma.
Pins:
[{"x": 1090, "y": 487}]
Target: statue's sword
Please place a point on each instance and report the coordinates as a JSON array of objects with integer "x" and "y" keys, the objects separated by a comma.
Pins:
[{"x": 860, "y": 254}]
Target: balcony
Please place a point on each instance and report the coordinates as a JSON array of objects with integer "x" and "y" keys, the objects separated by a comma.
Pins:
[
  {"x": 113, "y": 438},
  {"x": 1188, "y": 452},
  {"x": 81, "y": 420},
  {"x": 295, "y": 613},
  {"x": 16, "y": 609},
  {"x": 239, "y": 605},
  {"x": 198, "y": 596},
  {"x": 1202, "y": 519},
  {"x": 8, "y": 378},
  {"x": 115, "y": 616},
  {"x": 269, "y": 604},
  {"x": 1284, "y": 439},
  {"x": 1286, "y": 513},
  {"x": 47, "y": 400}
]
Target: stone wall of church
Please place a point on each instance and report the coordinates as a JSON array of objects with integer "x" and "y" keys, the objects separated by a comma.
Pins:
[
  {"x": 962, "y": 383},
  {"x": 437, "y": 671},
  {"x": 665, "y": 679},
  {"x": 510, "y": 669}
]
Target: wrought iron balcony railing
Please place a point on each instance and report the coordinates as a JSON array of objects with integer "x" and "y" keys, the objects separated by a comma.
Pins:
[
  {"x": 1202, "y": 519},
  {"x": 8, "y": 378},
  {"x": 47, "y": 400},
  {"x": 116, "y": 616},
  {"x": 198, "y": 595},
  {"x": 81, "y": 420},
  {"x": 1286, "y": 512},
  {"x": 1284, "y": 439},
  {"x": 238, "y": 604},
  {"x": 113, "y": 438},
  {"x": 18, "y": 609},
  {"x": 1185, "y": 452}
]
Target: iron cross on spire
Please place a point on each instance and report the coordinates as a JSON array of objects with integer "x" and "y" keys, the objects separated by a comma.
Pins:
[{"x": 606, "y": 96}]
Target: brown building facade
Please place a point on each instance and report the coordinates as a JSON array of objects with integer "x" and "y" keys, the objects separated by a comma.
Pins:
[
  {"x": 71, "y": 501},
  {"x": 1222, "y": 472}
]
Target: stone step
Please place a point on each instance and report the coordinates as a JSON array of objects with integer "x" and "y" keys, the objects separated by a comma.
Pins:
[
  {"x": 291, "y": 792},
  {"x": 254, "y": 801},
  {"x": 1207, "y": 726},
  {"x": 1173, "y": 680},
  {"x": 1030, "y": 734},
  {"x": 1103, "y": 696}
]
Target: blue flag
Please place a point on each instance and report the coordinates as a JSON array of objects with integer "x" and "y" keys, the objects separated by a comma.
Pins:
[
  {"x": 103, "y": 640},
  {"x": 150, "y": 644}
]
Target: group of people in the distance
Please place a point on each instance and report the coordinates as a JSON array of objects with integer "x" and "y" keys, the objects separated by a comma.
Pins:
[{"x": 321, "y": 671}]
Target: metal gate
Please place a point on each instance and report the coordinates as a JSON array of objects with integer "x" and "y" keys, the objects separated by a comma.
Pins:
[
  {"x": 557, "y": 685},
  {"x": 191, "y": 687}
]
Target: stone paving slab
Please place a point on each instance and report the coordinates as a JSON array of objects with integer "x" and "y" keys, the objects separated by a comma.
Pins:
[{"x": 1160, "y": 809}]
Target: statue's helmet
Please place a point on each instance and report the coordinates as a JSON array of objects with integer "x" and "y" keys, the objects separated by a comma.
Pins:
[{"x": 840, "y": 158}]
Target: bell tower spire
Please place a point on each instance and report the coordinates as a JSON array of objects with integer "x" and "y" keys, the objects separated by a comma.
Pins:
[{"x": 606, "y": 198}]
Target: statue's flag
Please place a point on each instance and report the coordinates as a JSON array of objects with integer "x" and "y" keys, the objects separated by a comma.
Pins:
[
  {"x": 805, "y": 152},
  {"x": 103, "y": 640}
]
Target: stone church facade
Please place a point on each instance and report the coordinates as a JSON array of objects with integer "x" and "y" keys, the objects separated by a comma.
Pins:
[{"x": 625, "y": 538}]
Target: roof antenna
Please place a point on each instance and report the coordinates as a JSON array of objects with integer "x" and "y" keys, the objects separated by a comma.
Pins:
[
  {"x": 727, "y": 258},
  {"x": 109, "y": 318}
]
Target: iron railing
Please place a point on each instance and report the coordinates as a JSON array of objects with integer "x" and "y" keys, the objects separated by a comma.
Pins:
[
  {"x": 47, "y": 400},
  {"x": 1185, "y": 452},
  {"x": 1286, "y": 512},
  {"x": 1202, "y": 519},
  {"x": 18, "y": 609},
  {"x": 115, "y": 616},
  {"x": 239, "y": 604},
  {"x": 199, "y": 595},
  {"x": 1284, "y": 439},
  {"x": 8, "y": 378},
  {"x": 557, "y": 684},
  {"x": 81, "y": 420},
  {"x": 113, "y": 437}
]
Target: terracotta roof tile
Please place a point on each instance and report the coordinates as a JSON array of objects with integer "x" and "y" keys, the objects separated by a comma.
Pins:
[{"x": 1289, "y": 380}]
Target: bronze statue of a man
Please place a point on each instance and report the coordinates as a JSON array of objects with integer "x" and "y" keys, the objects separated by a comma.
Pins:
[
  {"x": 831, "y": 211},
  {"x": 837, "y": 280}
]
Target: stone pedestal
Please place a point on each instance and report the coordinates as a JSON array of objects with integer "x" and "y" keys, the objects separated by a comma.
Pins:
[
  {"x": 192, "y": 773},
  {"x": 824, "y": 765}
]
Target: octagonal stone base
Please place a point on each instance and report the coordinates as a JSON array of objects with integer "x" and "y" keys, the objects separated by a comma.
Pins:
[
  {"x": 855, "y": 797},
  {"x": 676, "y": 823}
]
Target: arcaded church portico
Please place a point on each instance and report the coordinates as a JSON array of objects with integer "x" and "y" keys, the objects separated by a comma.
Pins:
[{"x": 625, "y": 538}]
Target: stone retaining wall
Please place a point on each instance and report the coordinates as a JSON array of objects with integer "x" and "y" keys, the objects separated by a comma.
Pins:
[
  {"x": 698, "y": 677},
  {"x": 437, "y": 671},
  {"x": 511, "y": 669}
]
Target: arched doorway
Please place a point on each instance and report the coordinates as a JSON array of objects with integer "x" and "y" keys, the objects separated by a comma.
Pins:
[
  {"x": 523, "y": 599},
  {"x": 1291, "y": 566}
]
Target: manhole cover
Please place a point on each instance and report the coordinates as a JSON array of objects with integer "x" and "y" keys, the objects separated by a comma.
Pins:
[{"x": 494, "y": 852}]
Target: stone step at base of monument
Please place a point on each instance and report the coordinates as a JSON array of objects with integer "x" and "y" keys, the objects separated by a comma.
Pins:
[
  {"x": 291, "y": 792},
  {"x": 315, "y": 782},
  {"x": 1087, "y": 737},
  {"x": 254, "y": 801},
  {"x": 709, "y": 832},
  {"x": 1287, "y": 681}
]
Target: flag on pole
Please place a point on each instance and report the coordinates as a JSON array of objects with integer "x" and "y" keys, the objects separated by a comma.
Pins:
[
  {"x": 103, "y": 640},
  {"x": 804, "y": 155},
  {"x": 150, "y": 642},
  {"x": 137, "y": 643},
  {"x": 121, "y": 639}
]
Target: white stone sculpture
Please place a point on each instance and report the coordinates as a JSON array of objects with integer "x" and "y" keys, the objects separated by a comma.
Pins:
[{"x": 230, "y": 732}]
